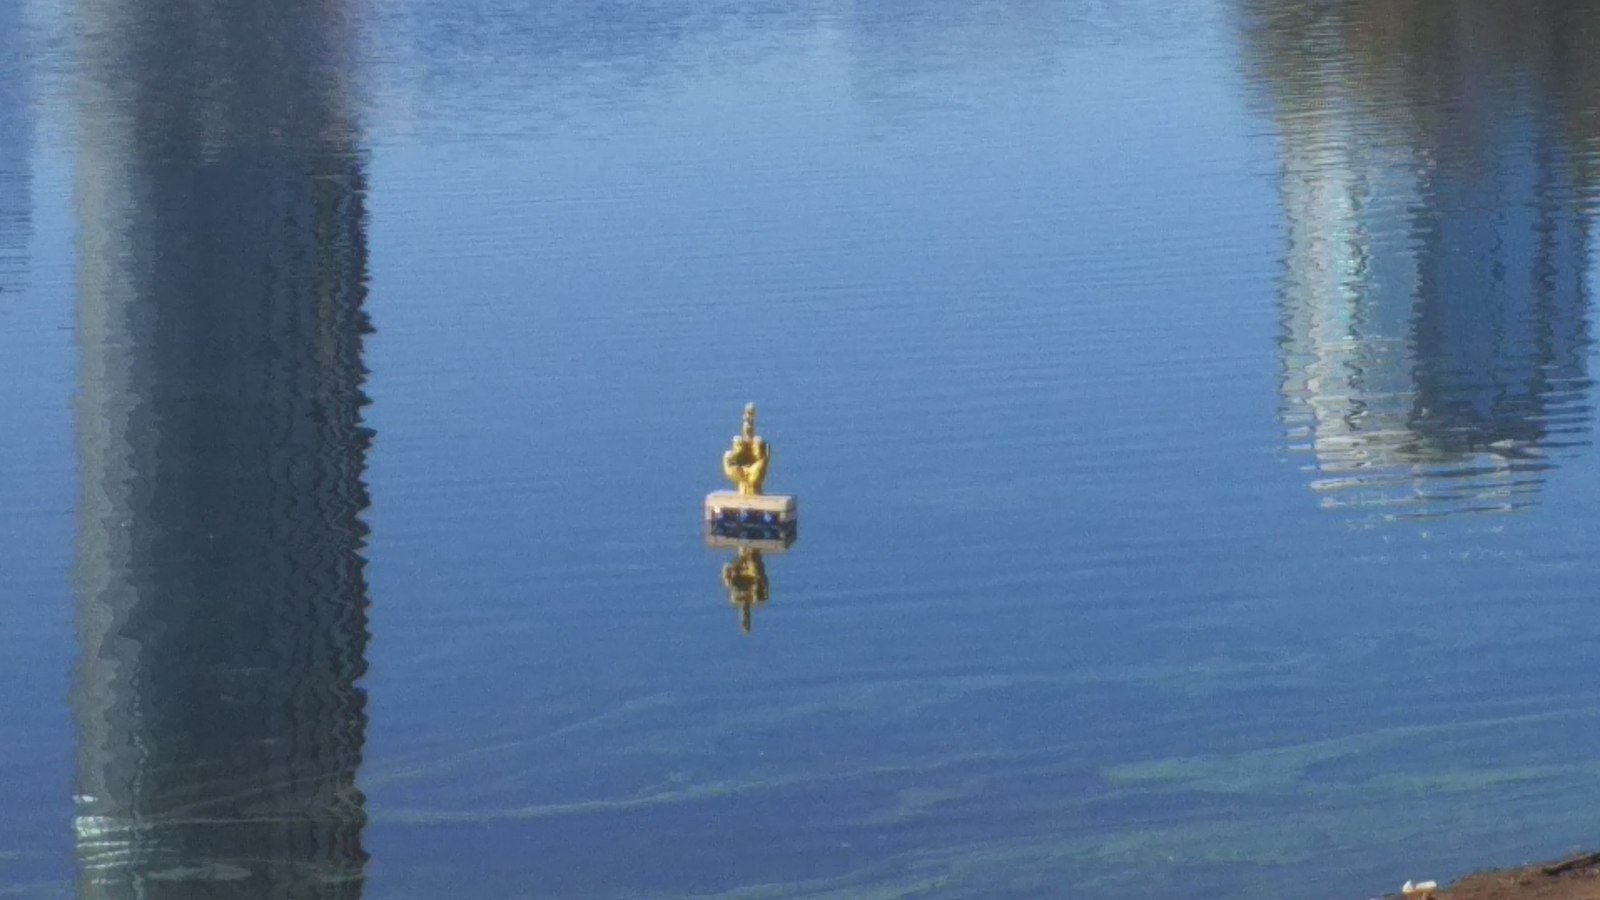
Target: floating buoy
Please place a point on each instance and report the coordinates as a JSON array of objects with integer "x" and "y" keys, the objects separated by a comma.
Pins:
[
  {"x": 747, "y": 521},
  {"x": 746, "y": 513}
]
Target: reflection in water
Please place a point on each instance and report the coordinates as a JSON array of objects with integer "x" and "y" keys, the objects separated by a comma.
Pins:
[
  {"x": 745, "y": 576},
  {"x": 449, "y": 63},
  {"x": 746, "y": 581},
  {"x": 15, "y": 136},
  {"x": 1435, "y": 167},
  {"x": 221, "y": 591}
]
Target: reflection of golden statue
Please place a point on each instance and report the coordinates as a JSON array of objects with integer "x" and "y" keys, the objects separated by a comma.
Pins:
[
  {"x": 746, "y": 463},
  {"x": 746, "y": 580}
]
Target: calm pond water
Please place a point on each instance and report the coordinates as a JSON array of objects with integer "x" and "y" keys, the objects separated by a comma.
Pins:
[{"x": 1190, "y": 404}]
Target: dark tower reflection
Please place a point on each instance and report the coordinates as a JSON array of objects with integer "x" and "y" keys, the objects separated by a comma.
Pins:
[
  {"x": 16, "y": 135},
  {"x": 221, "y": 588},
  {"x": 1436, "y": 172}
]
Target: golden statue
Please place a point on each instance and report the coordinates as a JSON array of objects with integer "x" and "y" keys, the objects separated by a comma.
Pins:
[
  {"x": 746, "y": 580},
  {"x": 748, "y": 521},
  {"x": 746, "y": 463}
]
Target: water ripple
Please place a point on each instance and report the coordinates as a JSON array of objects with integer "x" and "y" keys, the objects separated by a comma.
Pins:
[{"x": 1434, "y": 301}]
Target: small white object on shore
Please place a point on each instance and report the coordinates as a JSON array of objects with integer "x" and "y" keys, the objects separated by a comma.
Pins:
[{"x": 1424, "y": 888}]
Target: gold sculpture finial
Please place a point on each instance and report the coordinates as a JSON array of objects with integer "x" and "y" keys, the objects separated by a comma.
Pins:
[
  {"x": 746, "y": 580},
  {"x": 745, "y": 464}
]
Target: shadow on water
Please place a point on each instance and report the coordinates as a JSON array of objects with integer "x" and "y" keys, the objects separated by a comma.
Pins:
[
  {"x": 221, "y": 594},
  {"x": 1437, "y": 181}
]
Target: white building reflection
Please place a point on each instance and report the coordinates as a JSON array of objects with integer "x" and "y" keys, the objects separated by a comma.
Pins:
[
  {"x": 1435, "y": 292},
  {"x": 221, "y": 596}
]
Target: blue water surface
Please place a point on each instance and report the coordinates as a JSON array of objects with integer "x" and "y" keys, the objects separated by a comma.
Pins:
[{"x": 1189, "y": 406}]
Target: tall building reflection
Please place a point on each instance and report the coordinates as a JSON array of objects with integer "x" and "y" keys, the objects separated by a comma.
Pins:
[
  {"x": 220, "y": 580},
  {"x": 1435, "y": 170},
  {"x": 16, "y": 136}
]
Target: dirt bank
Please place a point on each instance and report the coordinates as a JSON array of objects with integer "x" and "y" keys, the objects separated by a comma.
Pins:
[{"x": 1575, "y": 878}]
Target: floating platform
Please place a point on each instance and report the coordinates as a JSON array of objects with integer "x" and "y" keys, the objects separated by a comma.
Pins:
[
  {"x": 771, "y": 546},
  {"x": 743, "y": 518}
]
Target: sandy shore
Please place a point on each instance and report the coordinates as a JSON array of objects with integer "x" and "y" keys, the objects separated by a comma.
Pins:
[{"x": 1574, "y": 878}]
